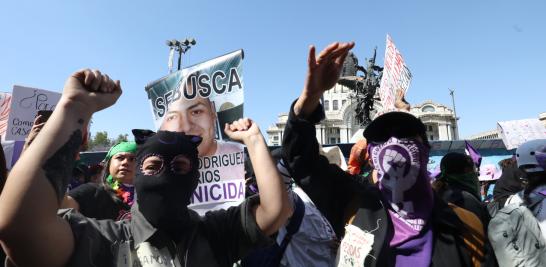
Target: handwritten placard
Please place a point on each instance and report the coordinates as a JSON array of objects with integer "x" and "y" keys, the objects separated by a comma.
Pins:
[
  {"x": 517, "y": 132},
  {"x": 396, "y": 76},
  {"x": 354, "y": 247},
  {"x": 25, "y": 103}
]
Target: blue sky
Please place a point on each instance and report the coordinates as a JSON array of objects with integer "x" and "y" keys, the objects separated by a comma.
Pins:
[{"x": 490, "y": 51}]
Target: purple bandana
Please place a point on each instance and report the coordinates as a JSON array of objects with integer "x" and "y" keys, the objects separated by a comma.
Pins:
[{"x": 403, "y": 180}]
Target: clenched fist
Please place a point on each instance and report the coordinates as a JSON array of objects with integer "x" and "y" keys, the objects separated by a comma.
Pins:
[{"x": 91, "y": 89}]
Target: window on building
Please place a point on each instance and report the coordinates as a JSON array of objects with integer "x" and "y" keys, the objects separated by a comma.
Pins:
[
  {"x": 343, "y": 102},
  {"x": 276, "y": 138},
  {"x": 428, "y": 109},
  {"x": 326, "y": 105},
  {"x": 332, "y": 140},
  {"x": 430, "y": 128},
  {"x": 334, "y": 105},
  {"x": 431, "y": 137}
]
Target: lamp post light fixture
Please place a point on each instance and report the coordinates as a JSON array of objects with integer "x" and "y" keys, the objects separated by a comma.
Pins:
[{"x": 180, "y": 46}]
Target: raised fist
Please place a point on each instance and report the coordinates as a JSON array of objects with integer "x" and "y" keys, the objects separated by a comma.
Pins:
[
  {"x": 395, "y": 166},
  {"x": 242, "y": 129},
  {"x": 91, "y": 89}
]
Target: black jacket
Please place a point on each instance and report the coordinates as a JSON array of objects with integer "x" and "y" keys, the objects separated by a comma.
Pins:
[
  {"x": 219, "y": 238},
  {"x": 334, "y": 192}
]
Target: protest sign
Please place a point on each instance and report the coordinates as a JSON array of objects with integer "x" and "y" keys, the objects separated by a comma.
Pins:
[
  {"x": 5, "y": 106},
  {"x": 199, "y": 100},
  {"x": 25, "y": 103},
  {"x": 489, "y": 169},
  {"x": 396, "y": 76},
  {"x": 517, "y": 132},
  {"x": 354, "y": 247}
]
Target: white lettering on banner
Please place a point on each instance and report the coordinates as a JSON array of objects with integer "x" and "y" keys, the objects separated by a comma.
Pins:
[
  {"x": 219, "y": 192},
  {"x": 355, "y": 246}
]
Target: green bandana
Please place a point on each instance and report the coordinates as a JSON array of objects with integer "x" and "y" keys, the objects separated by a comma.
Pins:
[{"x": 129, "y": 147}]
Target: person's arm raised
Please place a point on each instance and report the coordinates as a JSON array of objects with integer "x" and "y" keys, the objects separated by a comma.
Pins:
[
  {"x": 400, "y": 101},
  {"x": 274, "y": 208},
  {"x": 30, "y": 231},
  {"x": 36, "y": 127},
  {"x": 322, "y": 74}
]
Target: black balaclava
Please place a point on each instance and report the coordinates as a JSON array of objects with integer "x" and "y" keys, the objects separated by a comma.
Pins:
[{"x": 163, "y": 195}]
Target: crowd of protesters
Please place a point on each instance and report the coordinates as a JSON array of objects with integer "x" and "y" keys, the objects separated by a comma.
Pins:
[{"x": 301, "y": 209}]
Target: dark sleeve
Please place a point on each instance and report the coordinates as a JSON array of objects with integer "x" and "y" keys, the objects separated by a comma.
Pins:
[
  {"x": 95, "y": 201},
  {"x": 328, "y": 186},
  {"x": 92, "y": 239},
  {"x": 234, "y": 232}
]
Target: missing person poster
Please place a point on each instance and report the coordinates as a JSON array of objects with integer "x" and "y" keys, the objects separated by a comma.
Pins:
[{"x": 199, "y": 100}]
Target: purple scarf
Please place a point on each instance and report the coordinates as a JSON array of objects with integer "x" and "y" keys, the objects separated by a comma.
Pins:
[{"x": 404, "y": 183}]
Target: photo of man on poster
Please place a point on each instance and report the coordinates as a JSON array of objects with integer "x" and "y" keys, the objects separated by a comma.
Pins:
[
  {"x": 200, "y": 100},
  {"x": 198, "y": 116}
]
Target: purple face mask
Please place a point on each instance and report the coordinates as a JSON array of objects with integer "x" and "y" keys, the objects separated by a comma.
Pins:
[{"x": 402, "y": 175}]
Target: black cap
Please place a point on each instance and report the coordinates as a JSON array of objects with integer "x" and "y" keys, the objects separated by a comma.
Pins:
[{"x": 395, "y": 124}]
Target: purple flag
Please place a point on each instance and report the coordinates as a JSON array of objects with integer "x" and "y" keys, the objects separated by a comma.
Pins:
[{"x": 473, "y": 153}]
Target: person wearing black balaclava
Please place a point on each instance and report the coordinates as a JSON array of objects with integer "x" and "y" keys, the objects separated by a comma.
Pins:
[
  {"x": 399, "y": 221},
  {"x": 162, "y": 231},
  {"x": 510, "y": 182}
]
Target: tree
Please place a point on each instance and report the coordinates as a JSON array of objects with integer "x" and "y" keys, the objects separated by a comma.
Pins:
[
  {"x": 121, "y": 138},
  {"x": 100, "y": 142}
]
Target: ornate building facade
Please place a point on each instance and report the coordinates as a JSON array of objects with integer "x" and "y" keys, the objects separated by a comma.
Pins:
[
  {"x": 439, "y": 120},
  {"x": 340, "y": 125}
]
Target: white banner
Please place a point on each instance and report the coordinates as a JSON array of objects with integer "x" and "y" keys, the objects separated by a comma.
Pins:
[
  {"x": 25, "y": 104},
  {"x": 517, "y": 132},
  {"x": 396, "y": 75},
  {"x": 199, "y": 100}
]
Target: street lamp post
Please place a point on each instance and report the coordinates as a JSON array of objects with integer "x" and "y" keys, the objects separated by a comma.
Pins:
[
  {"x": 180, "y": 46},
  {"x": 452, "y": 93}
]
